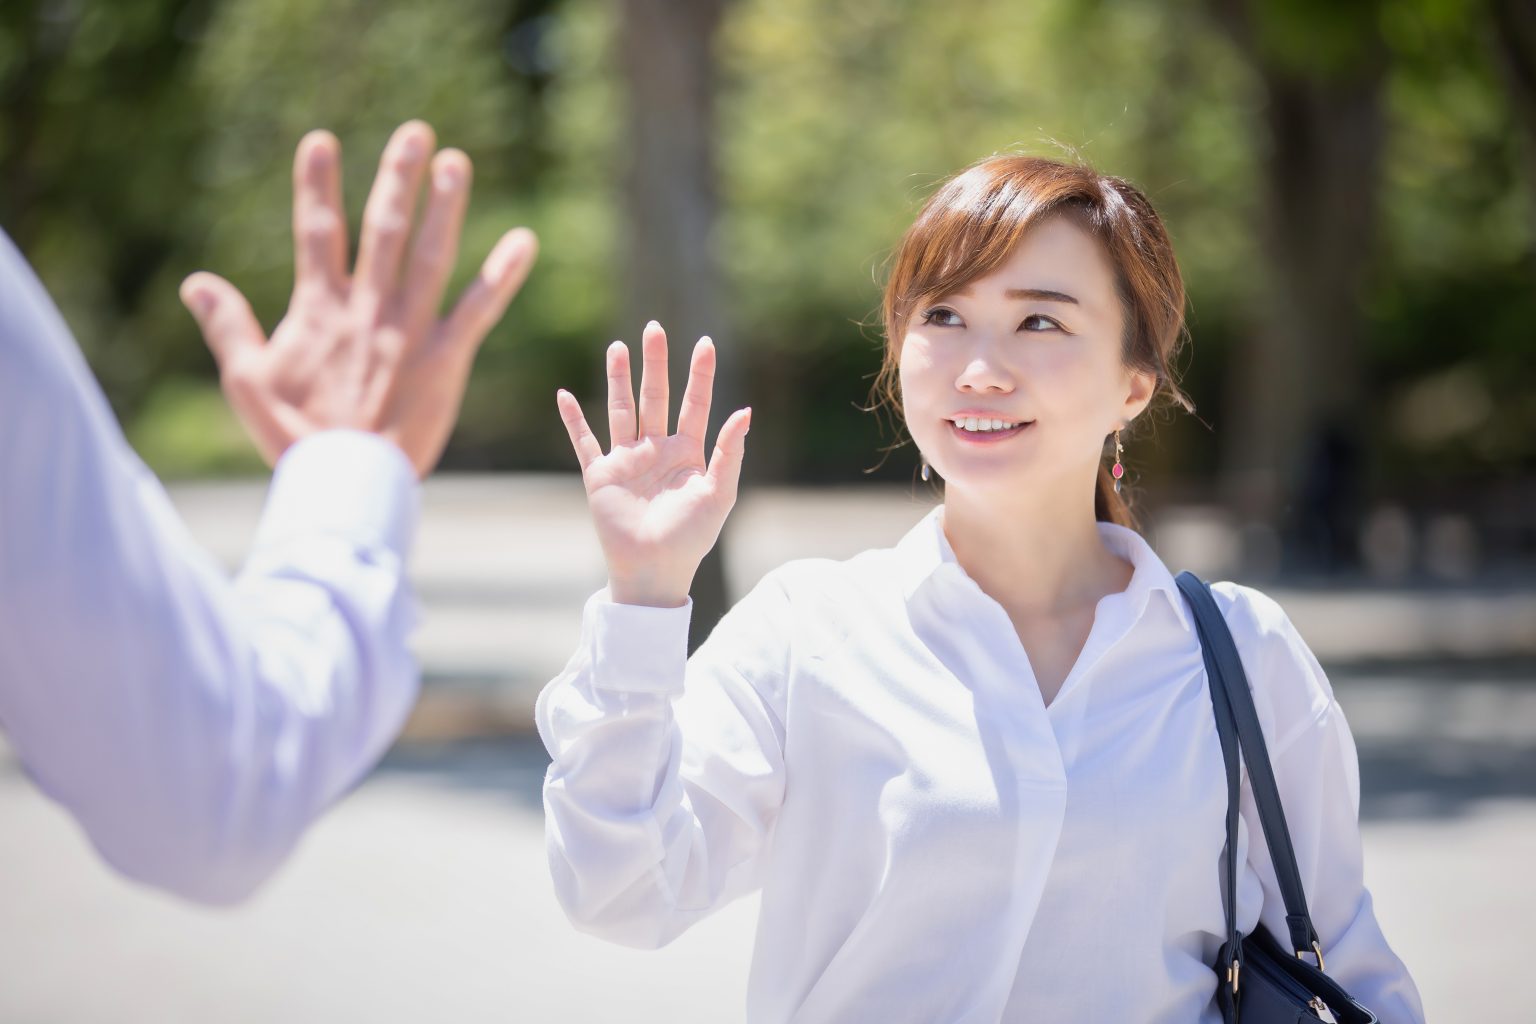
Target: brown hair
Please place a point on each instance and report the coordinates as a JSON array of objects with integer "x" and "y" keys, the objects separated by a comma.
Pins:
[{"x": 968, "y": 228}]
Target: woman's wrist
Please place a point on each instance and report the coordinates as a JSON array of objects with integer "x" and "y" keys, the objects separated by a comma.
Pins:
[{"x": 649, "y": 593}]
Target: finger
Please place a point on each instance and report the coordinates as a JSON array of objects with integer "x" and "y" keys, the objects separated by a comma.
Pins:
[
  {"x": 387, "y": 215},
  {"x": 222, "y": 314},
  {"x": 319, "y": 223},
  {"x": 725, "y": 465},
  {"x": 486, "y": 298},
  {"x": 436, "y": 249},
  {"x": 653, "y": 381},
  {"x": 621, "y": 396},
  {"x": 588, "y": 450},
  {"x": 693, "y": 415}
]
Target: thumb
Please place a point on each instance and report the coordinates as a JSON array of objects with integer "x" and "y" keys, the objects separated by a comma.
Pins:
[
  {"x": 222, "y": 314},
  {"x": 730, "y": 447}
]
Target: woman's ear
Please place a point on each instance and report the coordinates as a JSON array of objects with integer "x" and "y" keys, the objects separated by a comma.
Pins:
[{"x": 1142, "y": 386}]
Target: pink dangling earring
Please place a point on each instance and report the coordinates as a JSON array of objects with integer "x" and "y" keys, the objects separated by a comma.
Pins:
[{"x": 1118, "y": 469}]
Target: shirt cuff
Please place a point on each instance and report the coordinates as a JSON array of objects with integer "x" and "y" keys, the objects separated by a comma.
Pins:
[
  {"x": 637, "y": 648},
  {"x": 346, "y": 483}
]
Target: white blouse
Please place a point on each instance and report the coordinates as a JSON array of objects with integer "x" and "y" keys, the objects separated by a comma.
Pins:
[{"x": 864, "y": 741}]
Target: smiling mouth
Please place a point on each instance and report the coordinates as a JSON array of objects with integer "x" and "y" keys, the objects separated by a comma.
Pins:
[{"x": 986, "y": 431}]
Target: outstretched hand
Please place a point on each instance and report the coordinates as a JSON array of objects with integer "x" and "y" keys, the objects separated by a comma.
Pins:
[
  {"x": 657, "y": 506},
  {"x": 364, "y": 350}
]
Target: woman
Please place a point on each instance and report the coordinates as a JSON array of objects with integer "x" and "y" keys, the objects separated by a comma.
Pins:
[{"x": 975, "y": 776}]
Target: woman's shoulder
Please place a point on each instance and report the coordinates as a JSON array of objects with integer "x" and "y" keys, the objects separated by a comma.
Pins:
[
  {"x": 1250, "y": 609},
  {"x": 831, "y": 597},
  {"x": 1290, "y": 688},
  {"x": 805, "y": 605},
  {"x": 822, "y": 582}
]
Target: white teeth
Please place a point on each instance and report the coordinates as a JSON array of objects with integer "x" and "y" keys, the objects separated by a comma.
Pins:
[{"x": 981, "y": 425}]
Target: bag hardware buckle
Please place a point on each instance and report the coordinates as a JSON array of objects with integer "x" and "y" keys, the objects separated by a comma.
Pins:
[{"x": 1317, "y": 951}]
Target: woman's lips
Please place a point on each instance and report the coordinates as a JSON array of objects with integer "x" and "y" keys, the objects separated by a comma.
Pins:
[{"x": 983, "y": 437}]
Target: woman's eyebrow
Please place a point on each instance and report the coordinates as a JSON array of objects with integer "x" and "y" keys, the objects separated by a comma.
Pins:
[{"x": 1041, "y": 295}]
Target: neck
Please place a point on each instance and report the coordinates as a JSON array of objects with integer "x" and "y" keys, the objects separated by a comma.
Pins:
[{"x": 1040, "y": 557}]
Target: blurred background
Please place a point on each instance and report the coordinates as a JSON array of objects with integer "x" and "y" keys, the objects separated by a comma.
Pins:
[{"x": 1351, "y": 189}]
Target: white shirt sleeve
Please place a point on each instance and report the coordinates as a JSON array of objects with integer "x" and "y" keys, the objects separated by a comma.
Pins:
[
  {"x": 193, "y": 726},
  {"x": 667, "y": 771},
  {"x": 1317, "y": 770}
]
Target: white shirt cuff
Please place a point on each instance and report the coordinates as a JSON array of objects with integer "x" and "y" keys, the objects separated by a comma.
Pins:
[
  {"x": 637, "y": 648},
  {"x": 346, "y": 483}
]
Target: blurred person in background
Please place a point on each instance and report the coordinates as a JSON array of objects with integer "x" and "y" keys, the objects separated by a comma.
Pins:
[
  {"x": 195, "y": 725},
  {"x": 974, "y": 776}
]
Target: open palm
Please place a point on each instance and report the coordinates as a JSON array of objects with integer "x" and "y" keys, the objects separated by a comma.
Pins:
[
  {"x": 657, "y": 505},
  {"x": 365, "y": 349}
]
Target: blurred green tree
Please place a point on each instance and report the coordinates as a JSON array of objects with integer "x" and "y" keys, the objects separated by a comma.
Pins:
[{"x": 1350, "y": 189}]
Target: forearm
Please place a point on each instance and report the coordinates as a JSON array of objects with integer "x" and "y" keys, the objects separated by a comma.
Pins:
[
  {"x": 667, "y": 772},
  {"x": 193, "y": 727},
  {"x": 612, "y": 795}
]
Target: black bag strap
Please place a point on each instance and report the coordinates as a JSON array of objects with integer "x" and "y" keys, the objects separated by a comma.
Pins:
[
  {"x": 1237, "y": 725},
  {"x": 1227, "y": 733}
]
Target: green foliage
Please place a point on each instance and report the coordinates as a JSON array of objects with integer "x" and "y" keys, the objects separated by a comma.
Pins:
[
  {"x": 142, "y": 140},
  {"x": 186, "y": 430}
]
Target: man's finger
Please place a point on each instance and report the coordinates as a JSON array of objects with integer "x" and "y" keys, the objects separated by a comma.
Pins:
[
  {"x": 653, "y": 381},
  {"x": 621, "y": 396},
  {"x": 487, "y": 296},
  {"x": 319, "y": 220},
  {"x": 436, "y": 249},
  {"x": 387, "y": 215},
  {"x": 588, "y": 449},
  {"x": 222, "y": 314}
]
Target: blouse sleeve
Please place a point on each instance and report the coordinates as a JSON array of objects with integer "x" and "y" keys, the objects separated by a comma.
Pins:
[
  {"x": 667, "y": 771},
  {"x": 1317, "y": 770}
]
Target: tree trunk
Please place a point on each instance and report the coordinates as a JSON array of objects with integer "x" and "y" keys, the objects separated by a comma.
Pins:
[
  {"x": 1299, "y": 410},
  {"x": 672, "y": 272}
]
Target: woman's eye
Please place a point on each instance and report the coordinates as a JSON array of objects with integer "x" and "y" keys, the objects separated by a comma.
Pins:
[
  {"x": 941, "y": 316},
  {"x": 1036, "y": 318}
]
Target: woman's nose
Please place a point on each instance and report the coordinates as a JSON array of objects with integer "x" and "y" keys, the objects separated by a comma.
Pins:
[{"x": 984, "y": 371}]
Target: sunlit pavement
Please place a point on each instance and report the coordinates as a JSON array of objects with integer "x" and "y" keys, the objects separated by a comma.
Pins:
[{"x": 425, "y": 894}]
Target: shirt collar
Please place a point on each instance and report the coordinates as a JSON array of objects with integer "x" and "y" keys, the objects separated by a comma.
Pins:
[{"x": 925, "y": 551}]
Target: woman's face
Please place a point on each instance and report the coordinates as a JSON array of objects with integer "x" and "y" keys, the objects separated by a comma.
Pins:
[{"x": 1036, "y": 345}]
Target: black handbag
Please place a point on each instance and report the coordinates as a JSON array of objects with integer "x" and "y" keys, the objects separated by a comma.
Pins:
[{"x": 1260, "y": 979}]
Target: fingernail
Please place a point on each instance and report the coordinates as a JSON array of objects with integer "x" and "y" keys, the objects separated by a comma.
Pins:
[
  {"x": 706, "y": 340},
  {"x": 415, "y": 146},
  {"x": 651, "y": 323},
  {"x": 503, "y": 258},
  {"x": 449, "y": 177},
  {"x": 202, "y": 302}
]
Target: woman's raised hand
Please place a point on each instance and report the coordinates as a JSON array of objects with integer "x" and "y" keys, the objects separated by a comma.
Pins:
[{"x": 658, "y": 507}]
